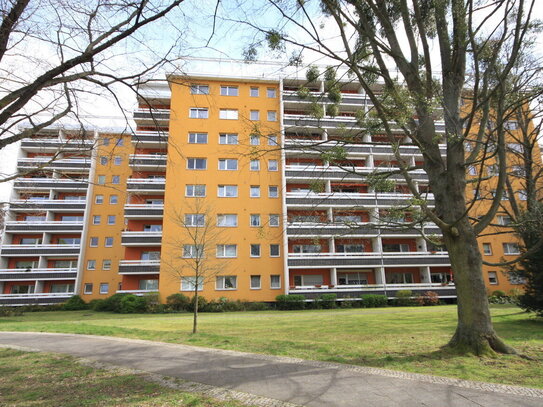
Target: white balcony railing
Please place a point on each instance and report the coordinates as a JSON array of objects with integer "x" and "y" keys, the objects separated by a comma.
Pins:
[
  {"x": 139, "y": 263},
  {"x": 38, "y": 295},
  {"x": 44, "y": 223},
  {"x": 41, "y": 246},
  {"x": 348, "y": 195},
  {"x": 38, "y": 270},
  {"x": 371, "y": 287},
  {"x": 367, "y": 254},
  {"x": 144, "y": 206},
  {"x": 146, "y": 180}
]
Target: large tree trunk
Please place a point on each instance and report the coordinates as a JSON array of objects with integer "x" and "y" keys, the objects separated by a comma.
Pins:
[{"x": 474, "y": 332}]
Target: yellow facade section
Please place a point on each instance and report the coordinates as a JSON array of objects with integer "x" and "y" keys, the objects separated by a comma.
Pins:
[
  {"x": 235, "y": 110},
  {"x": 112, "y": 160}
]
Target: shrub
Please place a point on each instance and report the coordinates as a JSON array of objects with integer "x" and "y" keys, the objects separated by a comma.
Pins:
[
  {"x": 428, "y": 298},
  {"x": 328, "y": 301},
  {"x": 404, "y": 298},
  {"x": 113, "y": 303},
  {"x": 374, "y": 300},
  {"x": 11, "y": 312},
  {"x": 75, "y": 303},
  {"x": 498, "y": 293},
  {"x": 202, "y": 304},
  {"x": 98, "y": 305},
  {"x": 131, "y": 304},
  {"x": 290, "y": 301},
  {"x": 178, "y": 302},
  {"x": 256, "y": 306},
  {"x": 152, "y": 303}
]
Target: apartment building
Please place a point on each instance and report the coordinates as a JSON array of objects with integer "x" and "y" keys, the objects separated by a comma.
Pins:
[{"x": 240, "y": 157}]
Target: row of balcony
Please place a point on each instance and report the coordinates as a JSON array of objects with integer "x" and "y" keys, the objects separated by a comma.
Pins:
[
  {"x": 349, "y": 200},
  {"x": 334, "y": 173},
  {"x": 52, "y": 273},
  {"x": 25, "y": 250},
  {"x": 34, "y": 298},
  {"x": 44, "y": 226}
]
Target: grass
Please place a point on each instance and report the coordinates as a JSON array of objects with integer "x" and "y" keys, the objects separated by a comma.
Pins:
[
  {"x": 407, "y": 339},
  {"x": 42, "y": 379}
]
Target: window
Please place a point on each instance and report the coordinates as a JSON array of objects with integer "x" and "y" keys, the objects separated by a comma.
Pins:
[
  {"x": 227, "y": 250},
  {"x": 227, "y": 191},
  {"x": 472, "y": 170},
  {"x": 88, "y": 288},
  {"x": 274, "y": 220},
  {"x": 255, "y": 220},
  {"x": 62, "y": 288},
  {"x": 101, "y": 179},
  {"x": 229, "y": 90},
  {"x": 120, "y": 142},
  {"x": 228, "y": 164},
  {"x": 308, "y": 280},
  {"x": 152, "y": 228},
  {"x": 198, "y": 113},
  {"x": 195, "y": 190},
  {"x": 492, "y": 277},
  {"x": 255, "y": 282},
  {"x": 22, "y": 289},
  {"x": 93, "y": 242},
  {"x": 522, "y": 195},
  {"x": 226, "y": 283},
  {"x": 104, "y": 288},
  {"x": 254, "y": 115},
  {"x": 189, "y": 283},
  {"x": 103, "y": 160},
  {"x": 487, "y": 249},
  {"x": 515, "y": 279},
  {"x": 27, "y": 264},
  {"x": 149, "y": 285},
  {"x": 255, "y": 191},
  {"x": 504, "y": 220},
  {"x": 518, "y": 170},
  {"x": 193, "y": 251},
  {"x": 306, "y": 248},
  {"x": 154, "y": 201},
  {"x": 228, "y": 138},
  {"x": 272, "y": 165},
  {"x": 274, "y": 250},
  {"x": 395, "y": 247},
  {"x": 399, "y": 278},
  {"x": 91, "y": 264},
  {"x": 511, "y": 248},
  {"x": 511, "y": 125},
  {"x": 255, "y": 250},
  {"x": 106, "y": 264},
  {"x": 96, "y": 219},
  {"x": 196, "y": 89},
  {"x": 515, "y": 147},
  {"x": 195, "y": 220},
  {"x": 349, "y": 248},
  {"x": 105, "y": 141},
  {"x": 229, "y": 220},
  {"x": 113, "y": 199},
  {"x": 270, "y": 92},
  {"x": 275, "y": 282},
  {"x": 111, "y": 219},
  {"x": 228, "y": 114},
  {"x": 115, "y": 180},
  {"x": 254, "y": 92},
  {"x": 196, "y": 163},
  {"x": 255, "y": 139},
  {"x": 197, "y": 138},
  {"x": 273, "y": 191},
  {"x": 255, "y": 165},
  {"x": 492, "y": 170},
  {"x": 151, "y": 256},
  {"x": 272, "y": 140},
  {"x": 117, "y": 160},
  {"x": 272, "y": 115},
  {"x": 109, "y": 242},
  {"x": 69, "y": 240}
]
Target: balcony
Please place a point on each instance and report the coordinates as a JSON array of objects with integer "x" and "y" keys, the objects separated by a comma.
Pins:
[
  {"x": 150, "y": 138},
  {"x": 368, "y": 259},
  {"x": 148, "y": 162},
  {"x": 146, "y": 185},
  {"x": 155, "y": 117},
  {"x": 34, "y": 299},
  {"x": 141, "y": 238},
  {"x": 346, "y": 292},
  {"x": 40, "y": 250},
  {"x": 143, "y": 211},
  {"x": 358, "y": 230},
  {"x": 136, "y": 292},
  {"x": 60, "y": 164},
  {"x": 332, "y": 173},
  {"x": 352, "y": 99},
  {"x": 59, "y": 184},
  {"x": 45, "y": 226},
  {"x": 37, "y": 145},
  {"x": 349, "y": 200},
  {"x": 127, "y": 267},
  {"x": 38, "y": 274},
  {"x": 48, "y": 205}
]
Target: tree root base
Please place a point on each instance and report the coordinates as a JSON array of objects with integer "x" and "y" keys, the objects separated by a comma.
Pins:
[{"x": 480, "y": 345}]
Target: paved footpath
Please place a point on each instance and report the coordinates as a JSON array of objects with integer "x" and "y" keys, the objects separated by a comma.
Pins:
[{"x": 271, "y": 381}]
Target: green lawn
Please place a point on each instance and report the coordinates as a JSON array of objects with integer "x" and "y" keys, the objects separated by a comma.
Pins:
[
  {"x": 395, "y": 338},
  {"x": 41, "y": 379}
]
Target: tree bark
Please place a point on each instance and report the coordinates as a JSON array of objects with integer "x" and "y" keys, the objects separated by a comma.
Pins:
[
  {"x": 474, "y": 332},
  {"x": 195, "y": 315}
]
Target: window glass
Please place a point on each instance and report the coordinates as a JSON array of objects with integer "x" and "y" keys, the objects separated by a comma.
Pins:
[
  {"x": 492, "y": 277},
  {"x": 106, "y": 264},
  {"x": 272, "y": 165},
  {"x": 115, "y": 179},
  {"x": 273, "y": 191},
  {"x": 101, "y": 179},
  {"x": 197, "y": 138},
  {"x": 487, "y": 249},
  {"x": 255, "y": 282},
  {"x": 255, "y": 220},
  {"x": 91, "y": 264},
  {"x": 104, "y": 288},
  {"x": 272, "y": 140},
  {"x": 93, "y": 242},
  {"x": 274, "y": 220},
  {"x": 193, "y": 251},
  {"x": 196, "y": 89},
  {"x": 195, "y": 220},
  {"x": 111, "y": 219},
  {"x": 117, "y": 160},
  {"x": 195, "y": 190},
  {"x": 274, "y": 250},
  {"x": 113, "y": 199},
  {"x": 98, "y": 199},
  {"x": 227, "y": 220},
  {"x": 255, "y": 139},
  {"x": 196, "y": 163},
  {"x": 254, "y": 115},
  {"x": 272, "y": 115},
  {"x": 228, "y": 164},
  {"x": 270, "y": 92},
  {"x": 109, "y": 242},
  {"x": 149, "y": 285},
  {"x": 229, "y": 90},
  {"x": 255, "y": 165},
  {"x": 96, "y": 219},
  {"x": 227, "y": 191},
  {"x": 227, "y": 250},
  {"x": 255, "y": 191},
  {"x": 254, "y": 92},
  {"x": 275, "y": 282},
  {"x": 189, "y": 283},
  {"x": 228, "y": 114},
  {"x": 198, "y": 113},
  {"x": 228, "y": 138},
  {"x": 88, "y": 288},
  {"x": 255, "y": 250},
  {"x": 226, "y": 283}
]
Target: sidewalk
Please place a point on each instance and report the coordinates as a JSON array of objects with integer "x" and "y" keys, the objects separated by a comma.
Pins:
[{"x": 279, "y": 381}]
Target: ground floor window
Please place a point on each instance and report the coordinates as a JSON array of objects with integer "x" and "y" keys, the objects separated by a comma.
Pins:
[
  {"x": 148, "y": 285},
  {"x": 352, "y": 278},
  {"x": 22, "y": 289},
  {"x": 399, "y": 278},
  {"x": 189, "y": 283},
  {"x": 255, "y": 282},
  {"x": 308, "y": 279},
  {"x": 104, "y": 288},
  {"x": 62, "y": 288},
  {"x": 492, "y": 277},
  {"x": 275, "y": 281},
  {"x": 226, "y": 283},
  {"x": 88, "y": 288},
  {"x": 441, "y": 278}
]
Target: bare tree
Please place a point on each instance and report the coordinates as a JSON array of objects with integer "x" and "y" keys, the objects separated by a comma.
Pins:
[
  {"x": 54, "y": 55},
  {"x": 387, "y": 49},
  {"x": 193, "y": 261}
]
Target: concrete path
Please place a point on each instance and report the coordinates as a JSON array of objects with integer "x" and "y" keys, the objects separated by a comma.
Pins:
[{"x": 279, "y": 381}]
